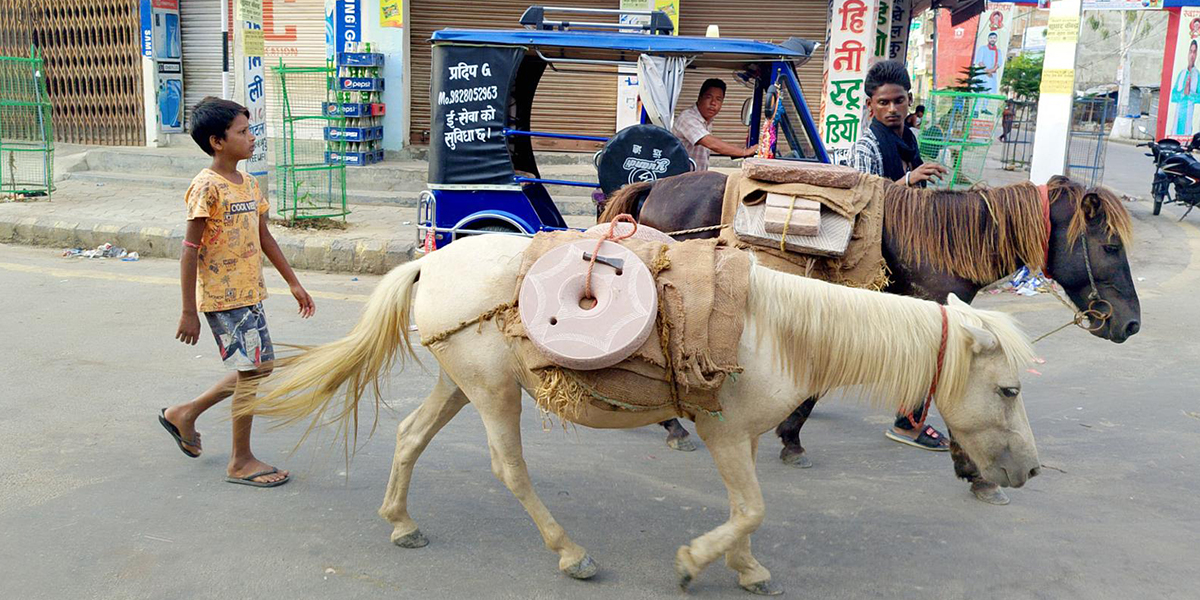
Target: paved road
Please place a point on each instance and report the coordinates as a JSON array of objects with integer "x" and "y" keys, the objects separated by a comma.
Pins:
[{"x": 96, "y": 501}]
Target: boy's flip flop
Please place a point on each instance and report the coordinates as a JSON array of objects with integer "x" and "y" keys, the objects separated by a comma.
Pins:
[
  {"x": 928, "y": 439},
  {"x": 174, "y": 431},
  {"x": 249, "y": 479}
]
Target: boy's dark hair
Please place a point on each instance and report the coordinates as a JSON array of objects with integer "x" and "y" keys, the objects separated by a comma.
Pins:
[
  {"x": 885, "y": 72},
  {"x": 709, "y": 84},
  {"x": 919, "y": 109},
  {"x": 211, "y": 117}
]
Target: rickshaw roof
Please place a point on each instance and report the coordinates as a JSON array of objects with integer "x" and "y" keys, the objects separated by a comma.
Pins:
[{"x": 611, "y": 46}]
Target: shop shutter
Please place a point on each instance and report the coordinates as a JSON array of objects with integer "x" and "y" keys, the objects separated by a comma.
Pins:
[
  {"x": 576, "y": 102},
  {"x": 757, "y": 20},
  {"x": 201, "y": 21}
]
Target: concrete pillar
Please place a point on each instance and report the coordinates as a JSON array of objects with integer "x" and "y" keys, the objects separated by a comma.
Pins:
[{"x": 1052, "y": 135}]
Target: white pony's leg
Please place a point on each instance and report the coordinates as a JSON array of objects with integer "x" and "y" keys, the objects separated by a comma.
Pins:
[
  {"x": 733, "y": 452},
  {"x": 501, "y": 413},
  {"x": 413, "y": 435}
]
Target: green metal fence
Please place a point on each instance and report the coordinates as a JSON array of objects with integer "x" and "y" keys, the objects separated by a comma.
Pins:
[
  {"x": 26, "y": 134},
  {"x": 958, "y": 132},
  {"x": 309, "y": 185}
]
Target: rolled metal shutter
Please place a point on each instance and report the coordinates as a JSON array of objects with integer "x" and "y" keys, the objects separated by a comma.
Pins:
[
  {"x": 201, "y": 20},
  {"x": 757, "y": 20},
  {"x": 294, "y": 34},
  {"x": 576, "y": 102}
]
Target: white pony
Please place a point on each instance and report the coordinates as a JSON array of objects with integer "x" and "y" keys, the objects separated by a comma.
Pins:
[{"x": 802, "y": 337}]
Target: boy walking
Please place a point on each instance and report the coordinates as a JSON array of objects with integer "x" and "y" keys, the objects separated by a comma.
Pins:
[{"x": 226, "y": 238}]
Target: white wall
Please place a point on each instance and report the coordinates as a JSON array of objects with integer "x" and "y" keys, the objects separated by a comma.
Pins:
[{"x": 390, "y": 42}]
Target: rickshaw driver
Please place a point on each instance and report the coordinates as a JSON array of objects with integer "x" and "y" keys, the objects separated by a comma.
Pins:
[{"x": 693, "y": 127}]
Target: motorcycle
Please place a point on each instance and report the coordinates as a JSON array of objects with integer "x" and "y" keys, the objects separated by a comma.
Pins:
[{"x": 1174, "y": 164}]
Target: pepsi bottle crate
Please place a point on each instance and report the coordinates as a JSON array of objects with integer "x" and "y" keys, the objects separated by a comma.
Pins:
[
  {"x": 353, "y": 159},
  {"x": 360, "y": 84},
  {"x": 360, "y": 59},
  {"x": 353, "y": 134},
  {"x": 354, "y": 110}
]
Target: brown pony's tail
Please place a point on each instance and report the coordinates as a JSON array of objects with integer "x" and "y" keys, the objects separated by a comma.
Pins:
[
  {"x": 625, "y": 200},
  {"x": 306, "y": 384}
]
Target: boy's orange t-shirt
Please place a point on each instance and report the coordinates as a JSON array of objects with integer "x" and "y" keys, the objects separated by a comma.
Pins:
[{"x": 230, "y": 256}]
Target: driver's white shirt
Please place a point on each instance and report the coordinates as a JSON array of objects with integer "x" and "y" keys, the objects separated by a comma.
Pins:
[{"x": 690, "y": 127}]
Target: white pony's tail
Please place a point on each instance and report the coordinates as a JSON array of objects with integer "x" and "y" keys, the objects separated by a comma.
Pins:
[{"x": 306, "y": 384}]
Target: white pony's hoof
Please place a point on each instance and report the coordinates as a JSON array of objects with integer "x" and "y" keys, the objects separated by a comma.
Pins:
[
  {"x": 764, "y": 588},
  {"x": 584, "y": 569},
  {"x": 685, "y": 567},
  {"x": 414, "y": 539},
  {"x": 986, "y": 491}
]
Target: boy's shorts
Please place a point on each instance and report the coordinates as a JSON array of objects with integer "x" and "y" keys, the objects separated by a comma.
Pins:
[{"x": 242, "y": 336}]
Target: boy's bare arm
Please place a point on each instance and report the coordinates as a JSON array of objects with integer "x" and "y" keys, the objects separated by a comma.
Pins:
[
  {"x": 189, "y": 322},
  {"x": 271, "y": 248}
]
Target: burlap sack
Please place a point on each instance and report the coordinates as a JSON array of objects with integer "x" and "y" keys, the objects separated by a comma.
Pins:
[
  {"x": 861, "y": 265},
  {"x": 702, "y": 287}
]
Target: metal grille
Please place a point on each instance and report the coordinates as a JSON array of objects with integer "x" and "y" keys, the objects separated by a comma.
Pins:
[
  {"x": 93, "y": 64},
  {"x": 957, "y": 132},
  {"x": 26, "y": 135},
  {"x": 1091, "y": 120},
  {"x": 310, "y": 176},
  {"x": 1017, "y": 145}
]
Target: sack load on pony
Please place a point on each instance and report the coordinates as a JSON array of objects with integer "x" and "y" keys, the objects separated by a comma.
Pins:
[
  {"x": 771, "y": 204},
  {"x": 700, "y": 292}
]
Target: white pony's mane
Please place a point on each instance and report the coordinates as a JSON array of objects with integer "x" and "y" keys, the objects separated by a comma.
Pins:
[{"x": 828, "y": 336}]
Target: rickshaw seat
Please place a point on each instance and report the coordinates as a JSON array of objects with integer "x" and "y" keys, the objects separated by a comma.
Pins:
[{"x": 543, "y": 204}]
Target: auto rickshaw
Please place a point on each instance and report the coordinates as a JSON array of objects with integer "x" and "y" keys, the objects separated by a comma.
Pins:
[{"x": 483, "y": 176}]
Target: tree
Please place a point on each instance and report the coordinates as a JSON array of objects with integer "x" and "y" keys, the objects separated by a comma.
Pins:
[
  {"x": 1023, "y": 76},
  {"x": 972, "y": 80}
]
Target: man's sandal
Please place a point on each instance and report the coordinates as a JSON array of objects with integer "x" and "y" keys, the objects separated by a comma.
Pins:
[{"x": 929, "y": 439}]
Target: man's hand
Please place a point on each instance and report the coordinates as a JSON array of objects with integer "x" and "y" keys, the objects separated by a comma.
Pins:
[
  {"x": 307, "y": 307},
  {"x": 751, "y": 151},
  {"x": 189, "y": 328},
  {"x": 929, "y": 171}
]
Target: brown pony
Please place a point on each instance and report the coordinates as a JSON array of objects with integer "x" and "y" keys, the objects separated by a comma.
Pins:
[{"x": 942, "y": 242}]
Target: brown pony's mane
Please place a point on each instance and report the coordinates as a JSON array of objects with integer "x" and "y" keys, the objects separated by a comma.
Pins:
[{"x": 985, "y": 234}]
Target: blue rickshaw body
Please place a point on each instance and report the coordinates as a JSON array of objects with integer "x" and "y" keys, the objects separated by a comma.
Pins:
[{"x": 483, "y": 177}]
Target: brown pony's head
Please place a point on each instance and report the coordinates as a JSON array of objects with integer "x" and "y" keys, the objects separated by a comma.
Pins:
[{"x": 1090, "y": 231}]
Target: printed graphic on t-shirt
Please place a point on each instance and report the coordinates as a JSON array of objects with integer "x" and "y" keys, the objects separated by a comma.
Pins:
[{"x": 230, "y": 257}]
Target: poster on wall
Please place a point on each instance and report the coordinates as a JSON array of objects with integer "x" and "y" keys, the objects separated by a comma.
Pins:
[
  {"x": 955, "y": 47},
  {"x": 991, "y": 45},
  {"x": 1122, "y": 4},
  {"x": 900, "y": 26},
  {"x": 1184, "y": 94},
  {"x": 852, "y": 33},
  {"x": 391, "y": 13}
]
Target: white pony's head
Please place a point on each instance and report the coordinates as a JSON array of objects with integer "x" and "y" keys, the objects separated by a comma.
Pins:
[{"x": 986, "y": 413}]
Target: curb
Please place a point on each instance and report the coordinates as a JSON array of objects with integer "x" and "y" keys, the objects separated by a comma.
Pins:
[{"x": 302, "y": 252}]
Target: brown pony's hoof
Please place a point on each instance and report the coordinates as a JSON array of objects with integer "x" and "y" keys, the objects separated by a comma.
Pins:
[
  {"x": 414, "y": 539},
  {"x": 682, "y": 444},
  {"x": 986, "y": 491},
  {"x": 584, "y": 569},
  {"x": 796, "y": 459},
  {"x": 685, "y": 567},
  {"x": 764, "y": 588}
]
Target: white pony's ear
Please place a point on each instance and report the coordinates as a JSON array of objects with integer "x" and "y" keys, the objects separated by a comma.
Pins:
[
  {"x": 982, "y": 340},
  {"x": 953, "y": 300}
]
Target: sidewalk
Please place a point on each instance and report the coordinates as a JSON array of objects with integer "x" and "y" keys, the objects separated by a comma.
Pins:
[
  {"x": 150, "y": 221},
  {"x": 133, "y": 198}
]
